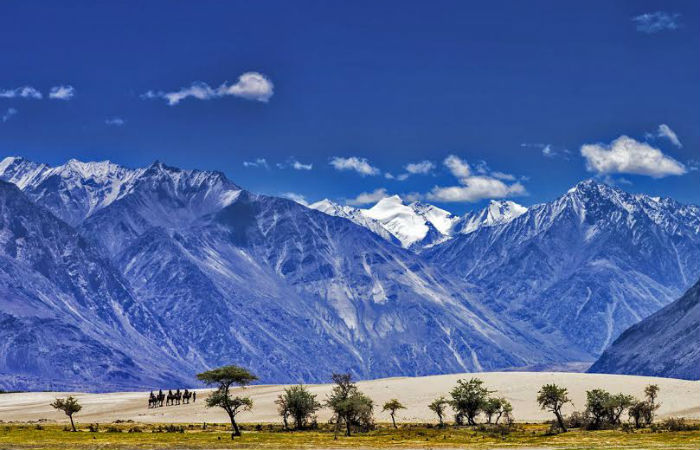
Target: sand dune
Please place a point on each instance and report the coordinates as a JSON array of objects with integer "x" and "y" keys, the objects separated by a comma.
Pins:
[{"x": 678, "y": 398}]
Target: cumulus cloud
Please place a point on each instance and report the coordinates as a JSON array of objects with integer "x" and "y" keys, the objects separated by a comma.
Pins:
[
  {"x": 62, "y": 92},
  {"x": 250, "y": 85},
  {"x": 366, "y": 198},
  {"x": 457, "y": 166},
  {"x": 420, "y": 168},
  {"x": 21, "y": 92},
  {"x": 115, "y": 121},
  {"x": 258, "y": 162},
  {"x": 473, "y": 188},
  {"x": 655, "y": 22},
  {"x": 296, "y": 197},
  {"x": 626, "y": 155},
  {"x": 353, "y": 163},
  {"x": 8, "y": 114}
]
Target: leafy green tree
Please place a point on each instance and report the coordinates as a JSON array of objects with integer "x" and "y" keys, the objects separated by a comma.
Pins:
[
  {"x": 283, "y": 409},
  {"x": 617, "y": 405},
  {"x": 506, "y": 412},
  {"x": 598, "y": 403},
  {"x": 651, "y": 392},
  {"x": 492, "y": 406},
  {"x": 640, "y": 412},
  {"x": 552, "y": 398},
  {"x": 438, "y": 407},
  {"x": 392, "y": 406},
  {"x": 224, "y": 378},
  {"x": 349, "y": 405},
  {"x": 468, "y": 399},
  {"x": 298, "y": 402},
  {"x": 69, "y": 406}
]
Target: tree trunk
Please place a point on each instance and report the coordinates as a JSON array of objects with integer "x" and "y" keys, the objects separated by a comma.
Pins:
[
  {"x": 235, "y": 431},
  {"x": 560, "y": 419},
  {"x": 72, "y": 425},
  {"x": 347, "y": 427},
  {"x": 440, "y": 419},
  {"x": 337, "y": 427},
  {"x": 393, "y": 420}
]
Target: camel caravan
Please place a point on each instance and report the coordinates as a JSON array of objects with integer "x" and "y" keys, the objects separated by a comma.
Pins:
[{"x": 171, "y": 399}]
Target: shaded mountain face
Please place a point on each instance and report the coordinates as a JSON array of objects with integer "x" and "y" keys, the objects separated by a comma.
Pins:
[
  {"x": 587, "y": 265},
  {"x": 665, "y": 344},
  {"x": 292, "y": 293},
  {"x": 66, "y": 314}
]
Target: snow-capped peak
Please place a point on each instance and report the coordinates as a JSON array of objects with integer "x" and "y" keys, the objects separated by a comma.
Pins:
[{"x": 498, "y": 212}]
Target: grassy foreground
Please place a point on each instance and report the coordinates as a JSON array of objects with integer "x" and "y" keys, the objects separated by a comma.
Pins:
[{"x": 189, "y": 436}]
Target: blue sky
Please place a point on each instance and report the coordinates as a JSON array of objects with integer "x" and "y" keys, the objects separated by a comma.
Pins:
[{"x": 485, "y": 100}]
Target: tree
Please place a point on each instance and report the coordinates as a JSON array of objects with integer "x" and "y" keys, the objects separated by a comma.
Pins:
[
  {"x": 438, "y": 407},
  {"x": 350, "y": 406},
  {"x": 598, "y": 403},
  {"x": 468, "y": 399},
  {"x": 552, "y": 397},
  {"x": 617, "y": 404},
  {"x": 506, "y": 412},
  {"x": 492, "y": 406},
  {"x": 283, "y": 408},
  {"x": 651, "y": 392},
  {"x": 640, "y": 412},
  {"x": 69, "y": 406},
  {"x": 392, "y": 406},
  {"x": 298, "y": 402},
  {"x": 225, "y": 377}
]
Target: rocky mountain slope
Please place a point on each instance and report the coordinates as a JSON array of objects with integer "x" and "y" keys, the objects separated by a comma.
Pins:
[
  {"x": 666, "y": 344},
  {"x": 587, "y": 265}
]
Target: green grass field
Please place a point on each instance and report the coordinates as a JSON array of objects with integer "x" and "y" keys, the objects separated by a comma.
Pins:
[{"x": 148, "y": 436}]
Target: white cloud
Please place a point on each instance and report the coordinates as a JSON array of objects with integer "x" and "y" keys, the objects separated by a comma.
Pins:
[
  {"x": 359, "y": 165},
  {"x": 296, "y": 165},
  {"x": 9, "y": 113},
  {"x": 296, "y": 197},
  {"x": 21, "y": 92},
  {"x": 626, "y": 155},
  {"x": 457, "y": 166},
  {"x": 651, "y": 23},
  {"x": 115, "y": 121},
  {"x": 420, "y": 168},
  {"x": 368, "y": 197},
  {"x": 666, "y": 132},
  {"x": 259, "y": 162},
  {"x": 389, "y": 176},
  {"x": 475, "y": 188},
  {"x": 472, "y": 187},
  {"x": 503, "y": 176},
  {"x": 62, "y": 92},
  {"x": 250, "y": 85}
]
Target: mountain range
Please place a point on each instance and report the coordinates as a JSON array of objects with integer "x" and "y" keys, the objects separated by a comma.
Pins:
[{"x": 118, "y": 278}]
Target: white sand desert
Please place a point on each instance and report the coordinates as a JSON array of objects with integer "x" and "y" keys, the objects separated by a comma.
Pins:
[{"x": 678, "y": 398}]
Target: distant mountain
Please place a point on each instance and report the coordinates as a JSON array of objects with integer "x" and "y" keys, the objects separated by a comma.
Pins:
[
  {"x": 420, "y": 225},
  {"x": 586, "y": 266},
  {"x": 288, "y": 291},
  {"x": 114, "y": 278},
  {"x": 665, "y": 344}
]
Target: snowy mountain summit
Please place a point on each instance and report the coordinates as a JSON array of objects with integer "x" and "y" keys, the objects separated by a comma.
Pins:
[{"x": 420, "y": 225}]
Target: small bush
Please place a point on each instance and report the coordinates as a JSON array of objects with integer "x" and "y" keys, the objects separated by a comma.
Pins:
[
  {"x": 112, "y": 429},
  {"x": 94, "y": 428},
  {"x": 678, "y": 424},
  {"x": 577, "y": 419},
  {"x": 135, "y": 430}
]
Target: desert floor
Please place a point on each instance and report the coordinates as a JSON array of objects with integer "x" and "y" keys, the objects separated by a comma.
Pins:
[{"x": 679, "y": 398}]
